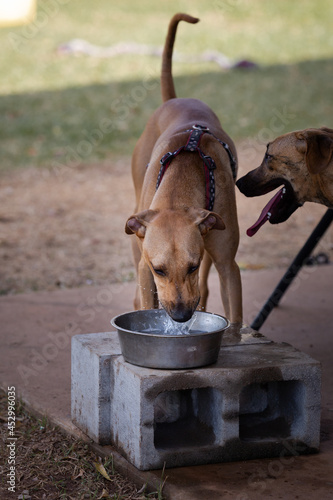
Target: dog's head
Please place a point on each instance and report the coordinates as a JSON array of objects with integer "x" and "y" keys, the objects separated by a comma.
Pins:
[
  {"x": 172, "y": 248},
  {"x": 297, "y": 161}
]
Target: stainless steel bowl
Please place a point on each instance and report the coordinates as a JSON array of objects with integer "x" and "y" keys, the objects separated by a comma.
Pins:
[{"x": 143, "y": 340}]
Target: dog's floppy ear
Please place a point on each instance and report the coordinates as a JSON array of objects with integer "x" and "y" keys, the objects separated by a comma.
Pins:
[
  {"x": 137, "y": 224},
  {"x": 207, "y": 220},
  {"x": 318, "y": 149}
]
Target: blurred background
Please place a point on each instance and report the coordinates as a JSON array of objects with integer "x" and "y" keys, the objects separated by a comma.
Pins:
[{"x": 79, "y": 80}]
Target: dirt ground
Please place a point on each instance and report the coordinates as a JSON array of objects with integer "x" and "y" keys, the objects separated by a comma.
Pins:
[{"x": 64, "y": 229}]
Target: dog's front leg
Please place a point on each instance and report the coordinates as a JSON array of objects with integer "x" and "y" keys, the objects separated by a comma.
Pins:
[
  {"x": 204, "y": 272},
  {"x": 231, "y": 291},
  {"x": 147, "y": 288},
  {"x": 222, "y": 248}
]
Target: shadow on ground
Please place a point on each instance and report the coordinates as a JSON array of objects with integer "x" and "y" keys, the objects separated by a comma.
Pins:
[{"x": 89, "y": 123}]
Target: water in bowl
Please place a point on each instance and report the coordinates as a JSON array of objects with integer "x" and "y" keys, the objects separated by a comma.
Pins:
[{"x": 171, "y": 327}]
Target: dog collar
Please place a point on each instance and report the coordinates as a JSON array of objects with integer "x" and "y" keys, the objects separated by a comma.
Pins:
[{"x": 192, "y": 145}]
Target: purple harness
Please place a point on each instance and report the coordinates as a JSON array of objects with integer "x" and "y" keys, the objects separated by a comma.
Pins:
[{"x": 192, "y": 145}]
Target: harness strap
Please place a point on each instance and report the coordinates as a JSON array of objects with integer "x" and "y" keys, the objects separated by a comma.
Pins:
[{"x": 192, "y": 145}]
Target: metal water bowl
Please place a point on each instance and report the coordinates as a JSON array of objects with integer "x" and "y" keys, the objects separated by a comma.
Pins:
[{"x": 151, "y": 339}]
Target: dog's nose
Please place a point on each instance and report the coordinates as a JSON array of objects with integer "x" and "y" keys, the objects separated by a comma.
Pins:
[
  {"x": 181, "y": 313},
  {"x": 239, "y": 183}
]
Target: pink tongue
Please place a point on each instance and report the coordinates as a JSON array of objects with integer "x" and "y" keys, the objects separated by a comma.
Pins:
[{"x": 264, "y": 214}]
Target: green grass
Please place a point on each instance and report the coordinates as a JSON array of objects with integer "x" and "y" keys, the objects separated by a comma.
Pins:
[{"x": 59, "y": 110}]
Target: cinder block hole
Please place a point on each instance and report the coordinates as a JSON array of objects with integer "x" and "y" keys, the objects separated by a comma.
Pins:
[
  {"x": 185, "y": 418},
  {"x": 271, "y": 410}
]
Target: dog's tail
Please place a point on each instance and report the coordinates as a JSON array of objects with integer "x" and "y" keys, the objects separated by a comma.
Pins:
[{"x": 167, "y": 86}]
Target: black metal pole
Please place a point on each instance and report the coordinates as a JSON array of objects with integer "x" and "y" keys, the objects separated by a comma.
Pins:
[{"x": 293, "y": 269}]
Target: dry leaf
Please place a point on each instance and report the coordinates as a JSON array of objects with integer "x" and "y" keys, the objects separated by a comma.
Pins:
[
  {"x": 100, "y": 468},
  {"x": 105, "y": 494},
  {"x": 80, "y": 474}
]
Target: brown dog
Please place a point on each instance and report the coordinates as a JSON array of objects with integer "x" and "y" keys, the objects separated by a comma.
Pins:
[
  {"x": 181, "y": 168},
  {"x": 303, "y": 162}
]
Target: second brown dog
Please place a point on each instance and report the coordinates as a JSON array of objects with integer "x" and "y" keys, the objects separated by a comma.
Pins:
[{"x": 302, "y": 162}]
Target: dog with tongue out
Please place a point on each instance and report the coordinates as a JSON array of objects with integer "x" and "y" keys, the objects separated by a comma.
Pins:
[{"x": 301, "y": 162}]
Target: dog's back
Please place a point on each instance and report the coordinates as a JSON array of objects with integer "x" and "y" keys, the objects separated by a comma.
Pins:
[{"x": 175, "y": 114}]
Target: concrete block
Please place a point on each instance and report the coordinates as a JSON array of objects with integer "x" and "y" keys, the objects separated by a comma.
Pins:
[
  {"x": 261, "y": 399},
  {"x": 90, "y": 383}
]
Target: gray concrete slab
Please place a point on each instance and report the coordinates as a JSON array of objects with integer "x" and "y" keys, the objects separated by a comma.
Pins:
[{"x": 35, "y": 357}]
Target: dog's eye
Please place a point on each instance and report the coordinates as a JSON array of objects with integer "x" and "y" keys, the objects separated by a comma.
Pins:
[
  {"x": 192, "y": 269},
  {"x": 268, "y": 157},
  {"x": 160, "y": 272}
]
